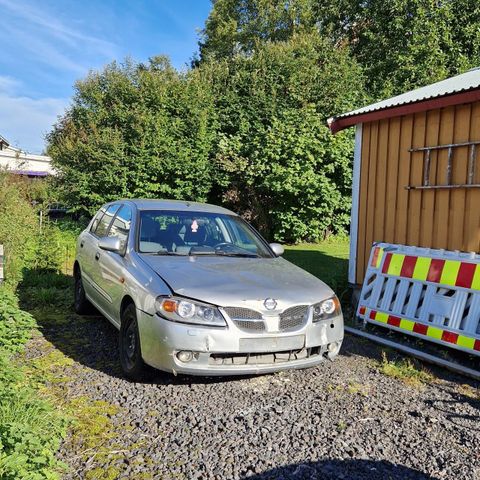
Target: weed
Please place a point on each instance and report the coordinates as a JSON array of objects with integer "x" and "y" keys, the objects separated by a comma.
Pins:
[
  {"x": 341, "y": 426},
  {"x": 405, "y": 370},
  {"x": 358, "y": 388},
  {"x": 109, "y": 473},
  {"x": 30, "y": 427},
  {"x": 469, "y": 391}
]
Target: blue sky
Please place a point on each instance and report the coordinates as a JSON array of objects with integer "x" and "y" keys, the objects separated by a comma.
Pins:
[{"x": 47, "y": 45}]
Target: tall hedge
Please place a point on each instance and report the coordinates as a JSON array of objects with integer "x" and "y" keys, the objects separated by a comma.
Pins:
[
  {"x": 277, "y": 162},
  {"x": 18, "y": 228},
  {"x": 135, "y": 130}
]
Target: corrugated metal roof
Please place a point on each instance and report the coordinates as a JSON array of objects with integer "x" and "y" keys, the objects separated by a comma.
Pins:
[{"x": 460, "y": 83}]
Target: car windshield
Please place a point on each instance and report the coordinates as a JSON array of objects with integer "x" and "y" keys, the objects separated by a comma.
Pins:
[{"x": 165, "y": 232}]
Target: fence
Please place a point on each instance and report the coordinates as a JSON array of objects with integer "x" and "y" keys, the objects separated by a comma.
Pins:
[
  {"x": 66, "y": 265},
  {"x": 430, "y": 294}
]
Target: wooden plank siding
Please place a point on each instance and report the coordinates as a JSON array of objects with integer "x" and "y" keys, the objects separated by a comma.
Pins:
[{"x": 448, "y": 219}]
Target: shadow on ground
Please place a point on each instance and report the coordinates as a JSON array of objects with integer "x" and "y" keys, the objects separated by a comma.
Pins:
[
  {"x": 93, "y": 342},
  {"x": 342, "y": 469},
  {"x": 90, "y": 340}
]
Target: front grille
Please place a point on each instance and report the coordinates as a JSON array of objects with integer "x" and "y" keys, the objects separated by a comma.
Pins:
[
  {"x": 246, "y": 319},
  {"x": 239, "y": 313},
  {"x": 293, "y": 317},
  {"x": 263, "y": 358},
  {"x": 251, "y": 325}
]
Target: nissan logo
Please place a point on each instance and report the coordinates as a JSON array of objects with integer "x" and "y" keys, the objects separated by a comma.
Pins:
[{"x": 270, "y": 304}]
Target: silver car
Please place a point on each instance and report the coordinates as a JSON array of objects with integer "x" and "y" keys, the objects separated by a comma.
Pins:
[{"x": 194, "y": 289}]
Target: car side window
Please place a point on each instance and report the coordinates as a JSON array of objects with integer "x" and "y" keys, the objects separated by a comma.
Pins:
[
  {"x": 104, "y": 222},
  {"x": 121, "y": 226},
  {"x": 97, "y": 218}
]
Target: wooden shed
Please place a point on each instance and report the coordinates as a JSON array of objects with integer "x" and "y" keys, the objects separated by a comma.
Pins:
[{"x": 416, "y": 178}]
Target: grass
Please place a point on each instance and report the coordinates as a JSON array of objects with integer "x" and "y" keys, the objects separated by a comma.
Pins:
[
  {"x": 327, "y": 260},
  {"x": 31, "y": 428},
  {"x": 91, "y": 431},
  {"x": 405, "y": 370}
]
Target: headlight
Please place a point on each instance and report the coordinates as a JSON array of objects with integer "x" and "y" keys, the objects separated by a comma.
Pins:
[
  {"x": 184, "y": 310},
  {"x": 327, "y": 309}
]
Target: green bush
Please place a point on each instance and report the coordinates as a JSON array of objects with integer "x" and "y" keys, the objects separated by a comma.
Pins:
[
  {"x": 18, "y": 228},
  {"x": 278, "y": 164},
  {"x": 30, "y": 429},
  {"x": 15, "y": 324},
  {"x": 135, "y": 130}
]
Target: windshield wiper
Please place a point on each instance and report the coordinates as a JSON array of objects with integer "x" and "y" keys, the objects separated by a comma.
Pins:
[
  {"x": 170, "y": 253},
  {"x": 245, "y": 255}
]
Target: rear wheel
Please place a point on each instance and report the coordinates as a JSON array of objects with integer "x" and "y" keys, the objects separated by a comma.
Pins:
[
  {"x": 80, "y": 302},
  {"x": 131, "y": 360}
]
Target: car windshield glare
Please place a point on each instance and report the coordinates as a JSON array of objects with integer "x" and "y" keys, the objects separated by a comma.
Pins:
[{"x": 167, "y": 232}]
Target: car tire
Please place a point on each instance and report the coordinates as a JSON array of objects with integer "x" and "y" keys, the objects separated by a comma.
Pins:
[
  {"x": 131, "y": 360},
  {"x": 80, "y": 303}
]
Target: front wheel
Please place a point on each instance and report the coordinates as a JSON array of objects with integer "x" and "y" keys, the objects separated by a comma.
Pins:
[
  {"x": 80, "y": 302},
  {"x": 131, "y": 360}
]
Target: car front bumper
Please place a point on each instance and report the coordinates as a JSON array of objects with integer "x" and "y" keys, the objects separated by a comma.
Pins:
[{"x": 231, "y": 351}]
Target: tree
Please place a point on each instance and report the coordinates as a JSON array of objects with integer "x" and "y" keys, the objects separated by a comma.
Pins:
[
  {"x": 236, "y": 26},
  {"x": 135, "y": 130},
  {"x": 400, "y": 44},
  {"x": 405, "y": 44},
  {"x": 277, "y": 163}
]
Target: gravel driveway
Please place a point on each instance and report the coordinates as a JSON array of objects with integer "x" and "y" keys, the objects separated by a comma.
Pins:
[{"x": 342, "y": 420}]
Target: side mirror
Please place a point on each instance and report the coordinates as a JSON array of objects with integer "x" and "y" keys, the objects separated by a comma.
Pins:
[
  {"x": 277, "y": 249},
  {"x": 111, "y": 244}
]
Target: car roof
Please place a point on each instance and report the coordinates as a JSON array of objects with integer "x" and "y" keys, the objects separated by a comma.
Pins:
[{"x": 179, "y": 205}]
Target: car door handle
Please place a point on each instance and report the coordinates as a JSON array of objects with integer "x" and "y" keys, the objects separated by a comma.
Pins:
[{"x": 97, "y": 255}]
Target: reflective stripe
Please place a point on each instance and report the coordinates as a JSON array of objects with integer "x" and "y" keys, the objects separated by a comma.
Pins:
[
  {"x": 427, "y": 330},
  {"x": 381, "y": 317},
  {"x": 465, "y": 342},
  {"x": 379, "y": 258},
  {"x": 435, "y": 270},
  {"x": 434, "y": 333},
  {"x": 408, "y": 266},
  {"x": 450, "y": 272},
  {"x": 465, "y": 275},
  {"x": 447, "y": 272},
  {"x": 407, "y": 324},
  {"x": 421, "y": 268},
  {"x": 394, "y": 321},
  {"x": 450, "y": 337},
  {"x": 386, "y": 263},
  {"x": 476, "y": 279},
  {"x": 396, "y": 264}
]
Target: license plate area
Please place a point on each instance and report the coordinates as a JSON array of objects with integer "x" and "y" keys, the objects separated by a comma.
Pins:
[{"x": 271, "y": 344}]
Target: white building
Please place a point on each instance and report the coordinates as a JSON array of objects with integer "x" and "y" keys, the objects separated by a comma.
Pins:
[{"x": 22, "y": 163}]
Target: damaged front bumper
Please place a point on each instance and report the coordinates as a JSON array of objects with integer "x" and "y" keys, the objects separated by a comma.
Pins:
[{"x": 197, "y": 350}]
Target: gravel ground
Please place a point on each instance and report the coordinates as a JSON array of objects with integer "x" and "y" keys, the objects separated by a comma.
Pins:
[{"x": 342, "y": 420}]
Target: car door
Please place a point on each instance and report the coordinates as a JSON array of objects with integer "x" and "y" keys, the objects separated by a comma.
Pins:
[
  {"x": 90, "y": 271},
  {"x": 86, "y": 247},
  {"x": 111, "y": 266}
]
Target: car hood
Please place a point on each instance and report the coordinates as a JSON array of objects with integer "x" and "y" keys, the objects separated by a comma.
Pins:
[{"x": 233, "y": 281}]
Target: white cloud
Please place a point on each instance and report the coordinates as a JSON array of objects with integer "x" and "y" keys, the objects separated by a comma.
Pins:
[
  {"x": 7, "y": 83},
  {"x": 54, "y": 27},
  {"x": 24, "y": 121}
]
